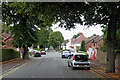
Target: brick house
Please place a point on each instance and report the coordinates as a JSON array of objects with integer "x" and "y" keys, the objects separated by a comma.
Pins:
[
  {"x": 76, "y": 43},
  {"x": 88, "y": 43},
  {"x": 7, "y": 38},
  {"x": 94, "y": 42}
]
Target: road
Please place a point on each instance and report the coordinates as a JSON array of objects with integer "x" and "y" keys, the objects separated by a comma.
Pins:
[{"x": 49, "y": 66}]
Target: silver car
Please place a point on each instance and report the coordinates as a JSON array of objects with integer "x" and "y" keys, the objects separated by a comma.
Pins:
[
  {"x": 65, "y": 54},
  {"x": 78, "y": 60}
]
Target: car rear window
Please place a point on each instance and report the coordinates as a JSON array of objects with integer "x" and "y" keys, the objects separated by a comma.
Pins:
[
  {"x": 37, "y": 53},
  {"x": 81, "y": 58}
]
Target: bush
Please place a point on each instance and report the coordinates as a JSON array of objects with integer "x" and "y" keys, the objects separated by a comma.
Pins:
[
  {"x": 8, "y": 54},
  {"x": 37, "y": 49},
  {"x": 3, "y": 43},
  {"x": 30, "y": 53},
  {"x": 82, "y": 46}
]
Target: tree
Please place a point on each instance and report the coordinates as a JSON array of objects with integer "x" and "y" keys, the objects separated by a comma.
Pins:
[
  {"x": 24, "y": 17},
  {"x": 75, "y": 36},
  {"x": 92, "y": 36},
  {"x": 117, "y": 45},
  {"x": 55, "y": 39},
  {"x": 43, "y": 36},
  {"x": 82, "y": 46},
  {"x": 68, "y": 14},
  {"x": 95, "y": 13}
]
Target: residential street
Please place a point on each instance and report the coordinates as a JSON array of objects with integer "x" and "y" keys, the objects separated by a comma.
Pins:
[{"x": 49, "y": 66}]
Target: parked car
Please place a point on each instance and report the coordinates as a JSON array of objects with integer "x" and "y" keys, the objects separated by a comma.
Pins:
[
  {"x": 43, "y": 53},
  {"x": 65, "y": 54},
  {"x": 78, "y": 60},
  {"x": 37, "y": 54},
  {"x": 46, "y": 49}
]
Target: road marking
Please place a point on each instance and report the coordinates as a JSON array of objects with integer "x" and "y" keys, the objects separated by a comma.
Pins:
[{"x": 7, "y": 73}]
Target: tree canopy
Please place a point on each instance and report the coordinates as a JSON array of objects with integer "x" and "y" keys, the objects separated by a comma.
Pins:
[
  {"x": 75, "y": 36},
  {"x": 43, "y": 37},
  {"x": 55, "y": 39}
]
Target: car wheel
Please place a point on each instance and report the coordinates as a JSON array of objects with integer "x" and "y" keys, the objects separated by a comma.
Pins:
[
  {"x": 73, "y": 68},
  {"x": 88, "y": 68},
  {"x": 68, "y": 64}
]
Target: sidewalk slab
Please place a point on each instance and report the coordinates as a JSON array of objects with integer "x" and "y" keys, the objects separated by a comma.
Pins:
[
  {"x": 12, "y": 63},
  {"x": 101, "y": 68}
]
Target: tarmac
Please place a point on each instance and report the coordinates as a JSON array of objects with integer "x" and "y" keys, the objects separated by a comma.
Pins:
[{"x": 96, "y": 67}]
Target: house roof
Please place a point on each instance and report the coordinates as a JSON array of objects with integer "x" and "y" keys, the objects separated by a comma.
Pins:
[
  {"x": 79, "y": 39},
  {"x": 5, "y": 35},
  {"x": 98, "y": 38},
  {"x": 94, "y": 38}
]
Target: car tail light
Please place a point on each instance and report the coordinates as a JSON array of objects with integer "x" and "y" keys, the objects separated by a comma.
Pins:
[
  {"x": 87, "y": 58},
  {"x": 74, "y": 58}
]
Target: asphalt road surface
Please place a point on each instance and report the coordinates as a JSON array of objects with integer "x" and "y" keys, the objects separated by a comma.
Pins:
[{"x": 50, "y": 65}]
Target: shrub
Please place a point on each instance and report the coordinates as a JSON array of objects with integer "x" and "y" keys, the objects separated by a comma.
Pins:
[
  {"x": 8, "y": 54},
  {"x": 37, "y": 49},
  {"x": 3, "y": 43},
  {"x": 30, "y": 53},
  {"x": 82, "y": 46}
]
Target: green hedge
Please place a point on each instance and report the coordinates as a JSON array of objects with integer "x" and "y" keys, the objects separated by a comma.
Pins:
[
  {"x": 8, "y": 54},
  {"x": 37, "y": 49},
  {"x": 30, "y": 53}
]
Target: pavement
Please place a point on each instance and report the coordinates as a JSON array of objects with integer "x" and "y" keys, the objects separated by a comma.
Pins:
[
  {"x": 49, "y": 66},
  {"x": 100, "y": 68}
]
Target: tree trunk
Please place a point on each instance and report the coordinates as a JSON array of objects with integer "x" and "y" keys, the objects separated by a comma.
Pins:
[
  {"x": 118, "y": 64},
  {"x": 111, "y": 38},
  {"x": 25, "y": 54}
]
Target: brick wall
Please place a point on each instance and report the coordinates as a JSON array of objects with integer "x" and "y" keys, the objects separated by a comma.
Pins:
[{"x": 88, "y": 45}]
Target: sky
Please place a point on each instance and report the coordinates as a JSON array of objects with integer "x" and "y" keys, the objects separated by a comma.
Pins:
[{"x": 87, "y": 32}]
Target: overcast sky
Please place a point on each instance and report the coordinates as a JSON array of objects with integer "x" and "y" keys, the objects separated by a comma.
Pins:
[{"x": 67, "y": 34}]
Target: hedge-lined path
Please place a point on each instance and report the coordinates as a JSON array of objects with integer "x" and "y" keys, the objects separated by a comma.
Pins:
[{"x": 10, "y": 64}]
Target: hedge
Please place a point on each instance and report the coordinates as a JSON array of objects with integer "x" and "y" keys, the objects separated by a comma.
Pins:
[
  {"x": 8, "y": 54},
  {"x": 37, "y": 49}
]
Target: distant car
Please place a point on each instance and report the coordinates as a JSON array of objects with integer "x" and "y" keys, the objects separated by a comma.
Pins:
[
  {"x": 46, "y": 49},
  {"x": 37, "y": 54},
  {"x": 78, "y": 60},
  {"x": 65, "y": 54},
  {"x": 43, "y": 53}
]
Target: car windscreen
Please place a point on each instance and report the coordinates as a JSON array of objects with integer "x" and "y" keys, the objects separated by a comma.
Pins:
[{"x": 81, "y": 58}]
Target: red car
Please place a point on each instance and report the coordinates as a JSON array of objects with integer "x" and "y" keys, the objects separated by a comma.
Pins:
[{"x": 43, "y": 52}]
